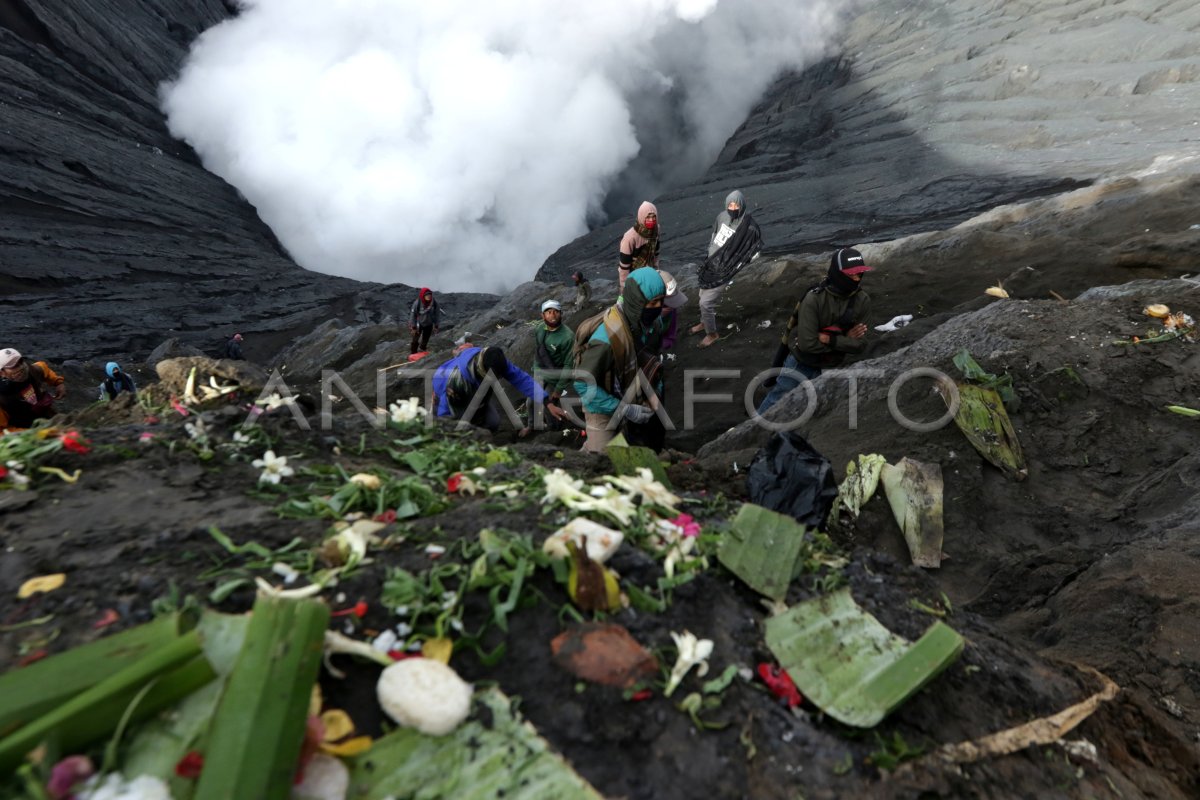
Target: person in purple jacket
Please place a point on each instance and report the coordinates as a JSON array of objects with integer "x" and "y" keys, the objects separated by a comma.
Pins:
[{"x": 456, "y": 382}]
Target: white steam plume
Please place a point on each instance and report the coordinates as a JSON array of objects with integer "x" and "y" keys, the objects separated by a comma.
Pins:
[{"x": 457, "y": 144}]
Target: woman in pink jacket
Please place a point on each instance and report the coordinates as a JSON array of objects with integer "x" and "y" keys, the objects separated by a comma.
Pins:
[{"x": 639, "y": 245}]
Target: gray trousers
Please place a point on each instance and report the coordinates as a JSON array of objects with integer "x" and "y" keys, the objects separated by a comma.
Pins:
[{"x": 708, "y": 307}]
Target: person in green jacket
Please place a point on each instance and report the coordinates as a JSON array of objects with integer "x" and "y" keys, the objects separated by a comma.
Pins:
[
  {"x": 826, "y": 325},
  {"x": 610, "y": 357},
  {"x": 554, "y": 343}
]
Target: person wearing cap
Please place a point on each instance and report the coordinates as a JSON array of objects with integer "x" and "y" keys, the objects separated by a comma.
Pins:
[
  {"x": 233, "y": 348},
  {"x": 27, "y": 390},
  {"x": 639, "y": 245},
  {"x": 116, "y": 381},
  {"x": 609, "y": 356},
  {"x": 554, "y": 343},
  {"x": 826, "y": 325},
  {"x": 735, "y": 242},
  {"x": 457, "y": 381},
  {"x": 424, "y": 320},
  {"x": 583, "y": 291}
]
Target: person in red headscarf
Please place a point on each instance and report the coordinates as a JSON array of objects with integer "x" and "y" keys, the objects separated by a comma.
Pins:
[{"x": 424, "y": 321}]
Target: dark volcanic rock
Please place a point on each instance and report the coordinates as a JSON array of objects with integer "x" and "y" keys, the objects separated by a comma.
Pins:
[
  {"x": 929, "y": 113},
  {"x": 113, "y": 236}
]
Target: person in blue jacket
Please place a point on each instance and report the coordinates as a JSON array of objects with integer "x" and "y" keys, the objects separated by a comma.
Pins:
[
  {"x": 116, "y": 381},
  {"x": 456, "y": 382}
]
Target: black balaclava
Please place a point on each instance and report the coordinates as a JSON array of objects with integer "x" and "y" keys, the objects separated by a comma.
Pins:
[
  {"x": 649, "y": 315},
  {"x": 491, "y": 359},
  {"x": 837, "y": 280}
]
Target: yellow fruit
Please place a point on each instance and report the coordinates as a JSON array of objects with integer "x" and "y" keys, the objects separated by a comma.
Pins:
[{"x": 1156, "y": 310}]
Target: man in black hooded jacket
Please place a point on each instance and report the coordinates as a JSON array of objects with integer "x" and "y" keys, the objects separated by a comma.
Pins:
[{"x": 826, "y": 325}]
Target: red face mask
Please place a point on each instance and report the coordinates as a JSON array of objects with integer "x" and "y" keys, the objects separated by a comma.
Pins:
[{"x": 650, "y": 224}]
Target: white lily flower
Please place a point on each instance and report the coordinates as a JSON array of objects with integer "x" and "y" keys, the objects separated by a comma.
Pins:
[
  {"x": 693, "y": 652},
  {"x": 275, "y": 400},
  {"x": 406, "y": 411},
  {"x": 240, "y": 438},
  {"x": 274, "y": 468},
  {"x": 643, "y": 485},
  {"x": 14, "y": 474},
  {"x": 562, "y": 487}
]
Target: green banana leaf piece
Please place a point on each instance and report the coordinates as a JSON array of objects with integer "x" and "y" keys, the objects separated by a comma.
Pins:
[
  {"x": 1185, "y": 411},
  {"x": 761, "y": 547},
  {"x": 503, "y": 758},
  {"x": 860, "y": 483},
  {"x": 914, "y": 491},
  {"x": 1001, "y": 383},
  {"x": 627, "y": 459},
  {"x": 982, "y": 419},
  {"x": 849, "y": 665}
]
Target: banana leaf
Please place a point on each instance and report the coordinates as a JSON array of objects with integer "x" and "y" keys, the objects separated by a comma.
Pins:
[
  {"x": 914, "y": 491},
  {"x": 982, "y": 419},
  {"x": 627, "y": 459},
  {"x": 849, "y": 665},
  {"x": 495, "y": 754},
  {"x": 761, "y": 547},
  {"x": 860, "y": 483}
]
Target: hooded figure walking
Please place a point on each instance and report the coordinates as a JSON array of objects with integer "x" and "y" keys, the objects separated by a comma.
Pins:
[
  {"x": 735, "y": 242},
  {"x": 425, "y": 320},
  {"x": 826, "y": 325},
  {"x": 639, "y": 245},
  {"x": 610, "y": 358},
  {"x": 116, "y": 381}
]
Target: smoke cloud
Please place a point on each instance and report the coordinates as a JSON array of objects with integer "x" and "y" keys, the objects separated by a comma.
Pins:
[{"x": 457, "y": 144}]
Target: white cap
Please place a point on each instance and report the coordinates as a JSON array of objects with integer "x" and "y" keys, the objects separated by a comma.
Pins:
[
  {"x": 551, "y": 304},
  {"x": 9, "y": 358}
]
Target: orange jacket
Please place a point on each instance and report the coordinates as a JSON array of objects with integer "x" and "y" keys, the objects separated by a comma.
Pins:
[{"x": 32, "y": 404}]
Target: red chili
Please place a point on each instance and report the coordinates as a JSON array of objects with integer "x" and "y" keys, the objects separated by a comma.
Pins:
[
  {"x": 72, "y": 441},
  {"x": 36, "y": 655},
  {"x": 644, "y": 694},
  {"x": 780, "y": 684},
  {"x": 388, "y": 516},
  {"x": 107, "y": 618},
  {"x": 359, "y": 610},
  {"x": 453, "y": 482}
]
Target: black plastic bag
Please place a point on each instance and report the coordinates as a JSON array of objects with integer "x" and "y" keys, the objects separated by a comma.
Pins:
[{"x": 789, "y": 476}]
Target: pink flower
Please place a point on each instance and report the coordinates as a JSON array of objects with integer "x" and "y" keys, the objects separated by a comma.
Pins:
[{"x": 687, "y": 524}]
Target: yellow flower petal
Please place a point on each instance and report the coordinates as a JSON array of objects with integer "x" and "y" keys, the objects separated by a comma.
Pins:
[
  {"x": 350, "y": 747},
  {"x": 43, "y": 583},
  {"x": 315, "y": 701},
  {"x": 438, "y": 650},
  {"x": 46, "y": 433},
  {"x": 338, "y": 724}
]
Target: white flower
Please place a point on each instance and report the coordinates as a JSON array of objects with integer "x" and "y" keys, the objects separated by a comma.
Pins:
[
  {"x": 434, "y": 550},
  {"x": 386, "y": 641},
  {"x": 673, "y": 539},
  {"x": 562, "y": 487},
  {"x": 424, "y": 694},
  {"x": 693, "y": 652},
  {"x": 274, "y": 468},
  {"x": 643, "y": 485},
  {"x": 14, "y": 474},
  {"x": 114, "y": 786},
  {"x": 275, "y": 401},
  {"x": 240, "y": 438},
  {"x": 406, "y": 411},
  {"x": 196, "y": 430}
]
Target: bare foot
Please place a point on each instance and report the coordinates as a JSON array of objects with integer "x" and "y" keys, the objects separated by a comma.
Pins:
[
  {"x": 707, "y": 341},
  {"x": 696, "y": 329}
]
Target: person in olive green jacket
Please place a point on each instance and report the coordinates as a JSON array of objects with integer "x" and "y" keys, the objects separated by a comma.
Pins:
[{"x": 826, "y": 326}]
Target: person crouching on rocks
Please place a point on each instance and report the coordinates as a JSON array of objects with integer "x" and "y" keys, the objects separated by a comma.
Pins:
[
  {"x": 116, "y": 381},
  {"x": 826, "y": 325},
  {"x": 583, "y": 291},
  {"x": 639, "y": 245},
  {"x": 424, "y": 320},
  {"x": 27, "y": 390},
  {"x": 456, "y": 383},
  {"x": 233, "y": 348},
  {"x": 609, "y": 355}
]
